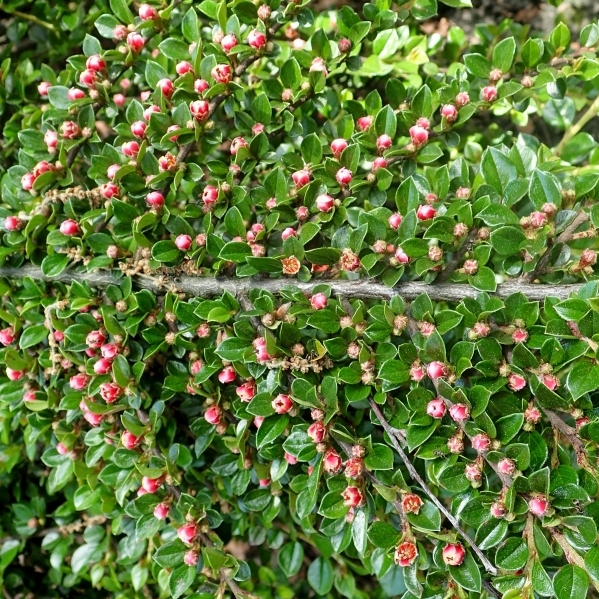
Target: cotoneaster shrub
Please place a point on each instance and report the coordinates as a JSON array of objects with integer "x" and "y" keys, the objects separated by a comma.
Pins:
[{"x": 297, "y": 304}]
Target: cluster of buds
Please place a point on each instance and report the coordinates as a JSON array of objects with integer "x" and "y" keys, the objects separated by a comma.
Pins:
[{"x": 28, "y": 179}]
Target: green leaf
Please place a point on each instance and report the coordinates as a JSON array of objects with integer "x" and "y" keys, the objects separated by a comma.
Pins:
[
  {"x": 383, "y": 535},
  {"x": 532, "y": 51},
  {"x": 291, "y": 74},
  {"x": 290, "y": 558},
  {"x": 33, "y": 335},
  {"x": 467, "y": 575},
  {"x": 180, "y": 580},
  {"x": 591, "y": 563},
  {"x": 453, "y": 478},
  {"x": 483, "y": 280},
  {"x": 427, "y": 518},
  {"x": 320, "y": 575},
  {"x": 498, "y": 171},
  {"x": 52, "y": 266},
  {"x": 583, "y": 378},
  {"x": 512, "y": 554},
  {"x": 121, "y": 11},
  {"x": 166, "y": 251},
  {"x": 507, "y": 240},
  {"x": 503, "y": 54},
  {"x": 235, "y": 251},
  {"x": 380, "y": 458},
  {"x": 541, "y": 582},
  {"x": 478, "y": 65},
  {"x": 571, "y": 582},
  {"x": 544, "y": 188},
  {"x": 175, "y": 49}
]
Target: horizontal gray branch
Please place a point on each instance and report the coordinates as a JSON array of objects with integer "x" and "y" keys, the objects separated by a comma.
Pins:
[{"x": 363, "y": 288}]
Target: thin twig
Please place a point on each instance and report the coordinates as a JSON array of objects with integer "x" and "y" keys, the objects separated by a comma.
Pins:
[
  {"x": 563, "y": 237},
  {"x": 363, "y": 288},
  {"x": 457, "y": 258},
  {"x": 489, "y": 567}
]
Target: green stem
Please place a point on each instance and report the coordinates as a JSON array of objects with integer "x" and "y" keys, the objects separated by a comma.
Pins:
[
  {"x": 29, "y": 17},
  {"x": 575, "y": 129}
]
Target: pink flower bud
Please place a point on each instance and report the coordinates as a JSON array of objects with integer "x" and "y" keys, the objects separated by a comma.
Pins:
[
  {"x": 102, "y": 366},
  {"x": 419, "y": 135},
  {"x": 166, "y": 87},
  {"x": 27, "y": 181},
  {"x": 332, "y": 462},
  {"x": 459, "y": 412},
  {"x": 256, "y": 39},
  {"x": 7, "y": 336},
  {"x": 383, "y": 142},
  {"x": 109, "y": 190},
  {"x": 61, "y": 449},
  {"x": 161, "y": 511},
  {"x": 110, "y": 392},
  {"x": 200, "y": 109},
  {"x": 317, "y": 432},
  {"x": 411, "y": 503},
  {"x": 481, "y": 442},
  {"x": 237, "y": 144},
  {"x": 337, "y": 147},
  {"x": 436, "y": 408},
  {"x": 319, "y": 301},
  {"x": 538, "y": 506},
  {"x": 51, "y": 138},
  {"x": 424, "y": 123},
  {"x": 405, "y": 554},
  {"x": 78, "y": 382},
  {"x": 290, "y": 459},
  {"x": 453, "y": 554},
  {"x": 149, "y": 110},
  {"x": 436, "y": 370},
  {"x": 155, "y": 199},
  {"x": 325, "y": 203},
  {"x": 228, "y": 42},
  {"x": 129, "y": 440},
  {"x": 95, "y": 339},
  {"x": 213, "y": 415},
  {"x": 43, "y": 88},
  {"x": 498, "y": 510},
  {"x": 227, "y": 375},
  {"x": 302, "y": 213},
  {"x": 246, "y": 391},
  {"x": 344, "y": 176},
  {"x": 364, "y": 123},
  {"x": 354, "y": 467},
  {"x": 70, "y": 130},
  {"x": 130, "y": 149},
  {"x": 12, "y": 223},
  {"x": 287, "y": 233},
  {"x": 352, "y": 497},
  {"x": 258, "y": 420},
  {"x": 506, "y": 466},
  {"x": 449, "y": 112},
  {"x": 538, "y": 219},
  {"x": 395, "y": 220},
  {"x": 516, "y": 382},
  {"x": 222, "y": 73},
  {"x": 257, "y": 129},
  {"x": 425, "y": 212},
  {"x": 489, "y": 94},
  {"x": 183, "y": 242},
  {"x": 95, "y": 63},
  {"x": 135, "y": 41},
  {"x": 138, "y": 128},
  {"x": 70, "y": 228},
  {"x": 14, "y": 375},
  {"x": 210, "y": 195},
  {"x": 188, "y": 532},
  {"x": 344, "y": 45},
  {"x": 301, "y": 178},
  {"x": 378, "y": 163},
  {"x": 519, "y": 336},
  {"x": 120, "y": 33},
  {"x": 401, "y": 256},
  {"x": 200, "y": 85},
  {"x": 29, "y": 395},
  {"x": 118, "y": 99},
  {"x": 191, "y": 558},
  {"x": 462, "y": 99},
  {"x": 281, "y": 404},
  {"x": 147, "y": 12},
  {"x": 151, "y": 485}
]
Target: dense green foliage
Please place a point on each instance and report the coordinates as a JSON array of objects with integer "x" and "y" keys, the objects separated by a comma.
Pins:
[{"x": 200, "y": 398}]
